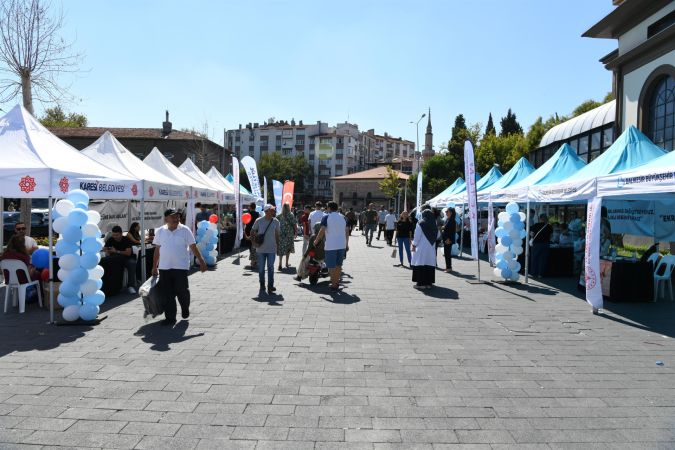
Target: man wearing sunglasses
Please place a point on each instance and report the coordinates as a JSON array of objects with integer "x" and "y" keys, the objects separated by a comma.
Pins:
[{"x": 20, "y": 230}]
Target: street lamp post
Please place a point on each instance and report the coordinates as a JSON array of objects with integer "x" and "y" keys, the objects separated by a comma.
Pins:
[{"x": 417, "y": 149}]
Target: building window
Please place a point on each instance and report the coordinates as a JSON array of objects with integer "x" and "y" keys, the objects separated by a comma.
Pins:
[
  {"x": 661, "y": 110},
  {"x": 354, "y": 198},
  {"x": 582, "y": 150},
  {"x": 607, "y": 137},
  {"x": 596, "y": 149}
]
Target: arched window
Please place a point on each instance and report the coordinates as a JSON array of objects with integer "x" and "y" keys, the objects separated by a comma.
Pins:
[{"x": 661, "y": 112}]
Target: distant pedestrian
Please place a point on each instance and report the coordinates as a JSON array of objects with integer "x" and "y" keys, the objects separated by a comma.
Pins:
[
  {"x": 173, "y": 244},
  {"x": 389, "y": 226},
  {"x": 370, "y": 224},
  {"x": 288, "y": 230},
  {"x": 381, "y": 215},
  {"x": 334, "y": 229},
  {"x": 266, "y": 229},
  {"x": 449, "y": 236},
  {"x": 248, "y": 239},
  {"x": 351, "y": 219},
  {"x": 404, "y": 231},
  {"x": 424, "y": 251},
  {"x": 306, "y": 228},
  {"x": 316, "y": 215}
]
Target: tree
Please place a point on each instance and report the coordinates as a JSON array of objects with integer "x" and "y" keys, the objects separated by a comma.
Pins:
[
  {"x": 56, "y": 117},
  {"x": 502, "y": 150},
  {"x": 274, "y": 166},
  {"x": 199, "y": 146},
  {"x": 33, "y": 53},
  {"x": 609, "y": 97},
  {"x": 585, "y": 107},
  {"x": 391, "y": 184},
  {"x": 490, "y": 128},
  {"x": 460, "y": 133},
  {"x": 510, "y": 125}
]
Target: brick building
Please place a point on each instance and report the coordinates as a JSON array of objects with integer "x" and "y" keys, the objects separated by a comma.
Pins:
[{"x": 357, "y": 190}]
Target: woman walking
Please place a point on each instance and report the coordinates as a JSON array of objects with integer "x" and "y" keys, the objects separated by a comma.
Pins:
[
  {"x": 449, "y": 236},
  {"x": 404, "y": 231},
  {"x": 288, "y": 231},
  {"x": 424, "y": 251}
]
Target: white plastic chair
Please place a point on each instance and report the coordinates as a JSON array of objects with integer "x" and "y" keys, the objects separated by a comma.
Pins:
[
  {"x": 13, "y": 267},
  {"x": 654, "y": 258},
  {"x": 668, "y": 264}
]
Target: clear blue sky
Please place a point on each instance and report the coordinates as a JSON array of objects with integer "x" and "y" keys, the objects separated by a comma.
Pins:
[{"x": 379, "y": 63}]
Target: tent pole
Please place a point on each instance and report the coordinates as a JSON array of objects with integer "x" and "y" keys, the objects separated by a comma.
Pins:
[
  {"x": 527, "y": 241},
  {"x": 461, "y": 233},
  {"x": 51, "y": 261},
  {"x": 2, "y": 224},
  {"x": 142, "y": 233}
]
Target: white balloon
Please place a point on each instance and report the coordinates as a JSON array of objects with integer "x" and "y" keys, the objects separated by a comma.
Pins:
[
  {"x": 213, "y": 227},
  {"x": 63, "y": 207},
  {"x": 71, "y": 313},
  {"x": 512, "y": 264},
  {"x": 60, "y": 224},
  {"x": 522, "y": 216},
  {"x": 508, "y": 226},
  {"x": 497, "y": 272},
  {"x": 91, "y": 230},
  {"x": 514, "y": 276},
  {"x": 96, "y": 273},
  {"x": 503, "y": 216},
  {"x": 208, "y": 234},
  {"x": 89, "y": 287},
  {"x": 517, "y": 250},
  {"x": 69, "y": 261},
  {"x": 499, "y": 248},
  {"x": 514, "y": 235},
  {"x": 63, "y": 274},
  {"x": 512, "y": 207},
  {"x": 93, "y": 217},
  {"x": 507, "y": 256}
]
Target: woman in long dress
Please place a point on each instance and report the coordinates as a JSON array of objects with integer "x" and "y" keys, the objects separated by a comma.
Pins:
[
  {"x": 287, "y": 234},
  {"x": 424, "y": 251}
]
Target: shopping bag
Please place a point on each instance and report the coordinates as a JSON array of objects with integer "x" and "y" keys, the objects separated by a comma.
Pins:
[
  {"x": 393, "y": 253},
  {"x": 152, "y": 301}
]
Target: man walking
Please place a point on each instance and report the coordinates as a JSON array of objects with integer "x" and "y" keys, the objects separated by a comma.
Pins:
[
  {"x": 389, "y": 226},
  {"x": 316, "y": 215},
  {"x": 381, "y": 216},
  {"x": 247, "y": 235},
  {"x": 370, "y": 220},
  {"x": 265, "y": 235},
  {"x": 173, "y": 243},
  {"x": 334, "y": 228}
]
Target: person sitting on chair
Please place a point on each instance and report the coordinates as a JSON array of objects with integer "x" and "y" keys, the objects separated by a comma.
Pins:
[
  {"x": 20, "y": 230},
  {"x": 16, "y": 249},
  {"x": 119, "y": 247}
]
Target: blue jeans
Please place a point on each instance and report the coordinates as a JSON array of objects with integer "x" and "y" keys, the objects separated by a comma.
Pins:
[
  {"x": 403, "y": 242},
  {"x": 266, "y": 259},
  {"x": 370, "y": 230}
]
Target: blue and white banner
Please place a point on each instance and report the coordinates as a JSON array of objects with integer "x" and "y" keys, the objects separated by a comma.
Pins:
[
  {"x": 252, "y": 174},
  {"x": 642, "y": 218},
  {"x": 470, "y": 177},
  {"x": 237, "y": 202},
  {"x": 278, "y": 190},
  {"x": 592, "y": 254},
  {"x": 265, "y": 190},
  {"x": 491, "y": 233},
  {"x": 419, "y": 193}
]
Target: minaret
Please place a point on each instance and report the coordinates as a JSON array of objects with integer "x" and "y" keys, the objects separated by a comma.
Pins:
[{"x": 428, "y": 140}]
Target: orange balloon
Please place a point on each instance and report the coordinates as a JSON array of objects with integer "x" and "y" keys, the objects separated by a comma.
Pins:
[
  {"x": 213, "y": 218},
  {"x": 246, "y": 218}
]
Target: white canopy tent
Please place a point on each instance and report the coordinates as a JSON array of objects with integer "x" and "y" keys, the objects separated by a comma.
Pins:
[
  {"x": 217, "y": 177},
  {"x": 190, "y": 169},
  {"x": 194, "y": 189}
]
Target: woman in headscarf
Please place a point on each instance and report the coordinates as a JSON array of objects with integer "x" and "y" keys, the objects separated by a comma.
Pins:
[
  {"x": 289, "y": 229},
  {"x": 424, "y": 251}
]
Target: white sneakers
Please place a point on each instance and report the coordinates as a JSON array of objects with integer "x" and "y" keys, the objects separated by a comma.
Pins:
[{"x": 131, "y": 290}]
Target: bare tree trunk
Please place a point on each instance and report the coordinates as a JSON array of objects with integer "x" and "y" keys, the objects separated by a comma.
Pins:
[{"x": 27, "y": 93}]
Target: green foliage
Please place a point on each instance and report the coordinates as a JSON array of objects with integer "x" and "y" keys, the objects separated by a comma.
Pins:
[
  {"x": 438, "y": 172},
  {"x": 56, "y": 117},
  {"x": 391, "y": 184},
  {"x": 585, "y": 107},
  {"x": 274, "y": 166},
  {"x": 490, "y": 128},
  {"x": 502, "y": 150},
  {"x": 609, "y": 97},
  {"x": 510, "y": 125}
]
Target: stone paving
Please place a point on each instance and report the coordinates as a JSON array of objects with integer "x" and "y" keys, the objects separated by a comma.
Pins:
[{"x": 377, "y": 366}]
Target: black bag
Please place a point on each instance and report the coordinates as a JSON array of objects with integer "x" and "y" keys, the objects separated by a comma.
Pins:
[
  {"x": 260, "y": 238},
  {"x": 152, "y": 300}
]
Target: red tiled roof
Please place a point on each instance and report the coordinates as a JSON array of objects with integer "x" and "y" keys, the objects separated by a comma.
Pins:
[{"x": 378, "y": 173}]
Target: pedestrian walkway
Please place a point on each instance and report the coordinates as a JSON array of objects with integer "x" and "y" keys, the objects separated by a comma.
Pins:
[{"x": 376, "y": 366}]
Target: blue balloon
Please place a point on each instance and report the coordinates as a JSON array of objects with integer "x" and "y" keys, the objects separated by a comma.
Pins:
[
  {"x": 97, "y": 298},
  {"x": 500, "y": 223},
  {"x": 72, "y": 234},
  {"x": 81, "y": 206},
  {"x": 55, "y": 214},
  {"x": 213, "y": 241},
  {"x": 203, "y": 225},
  {"x": 91, "y": 245},
  {"x": 77, "y": 217},
  {"x": 506, "y": 241},
  {"x": 512, "y": 207},
  {"x": 69, "y": 289},
  {"x": 515, "y": 218},
  {"x": 502, "y": 264},
  {"x": 523, "y": 233},
  {"x": 65, "y": 248},
  {"x": 78, "y": 276},
  {"x": 518, "y": 226},
  {"x": 88, "y": 311},
  {"x": 67, "y": 300},
  {"x": 499, "y": 232},
  {"x": 506, "y": 273},
  {"x": 210, "y": 261},
  {"x": 89, "y": 261},
  {"x": 78, "y": 196},
  {"x": 40, "y": 258}
]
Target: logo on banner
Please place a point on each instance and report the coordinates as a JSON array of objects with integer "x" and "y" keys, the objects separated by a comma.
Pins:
[
  {"x": 27, "y": 184},
  {"x": 151, "y": 191},
  {"x": 620, "y": 182},
  {"x": 187, "y": 194},
  {"x": 591, "y": 278},
  {"x": 134, "y": 190},
  {"x": 63, "y": 185}
]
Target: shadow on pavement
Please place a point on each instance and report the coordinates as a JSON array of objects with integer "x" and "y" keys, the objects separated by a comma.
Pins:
[
  {"x": 271, "y": 299},
  {"x": 441, "y": 292},
  {"x": 655, "y": 317},
  {"x": 341, "y": 297},
  {"x": 161, "y": 337}
]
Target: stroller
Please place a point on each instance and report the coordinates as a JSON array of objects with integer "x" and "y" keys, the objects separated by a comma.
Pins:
[{"x": 312, "y": 264}]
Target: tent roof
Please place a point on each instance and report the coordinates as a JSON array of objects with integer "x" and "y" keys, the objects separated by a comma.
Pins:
[
  {"x": 560, "y": 167},
  {"x": 242, "y": 189},
  {"x": 589, "y": 120},
  {"x": 519, "y": 171},
  {"x": 159, "y": 162},
  {"x": 190, "y": 168},
  {"x": 489, "y": 178},
  {"x": 631, "y": 149},
  {"x": 447, "y": 191},
  {"x": 110, "y": 152},
  {"x": 218, "y": 177},
  {"x": 462, "y": 186}
]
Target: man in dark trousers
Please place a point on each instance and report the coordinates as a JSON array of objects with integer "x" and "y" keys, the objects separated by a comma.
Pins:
[
  {"x": 541, "y": 242},
  {"x": 449, "y": 236},
  {"x": 173, "y": 243}
]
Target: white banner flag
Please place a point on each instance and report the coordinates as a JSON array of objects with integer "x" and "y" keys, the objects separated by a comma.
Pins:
[
  {"x": 237, "y": 202},
  {"x": 252, "y": 173},
  {"x": 419, "y": 194},
  {"x": 491, "y": 232},
  {"x": 265, "y": 190},
  {"x": 592, "y": 269},
  {"x": 470, "y": 177}
]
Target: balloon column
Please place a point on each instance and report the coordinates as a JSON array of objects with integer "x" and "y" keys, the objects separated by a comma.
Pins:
[
  {"x": 207, "y": 239},
  {"x": 510, "y": 234},
  {"x": 78, "y": 251}
]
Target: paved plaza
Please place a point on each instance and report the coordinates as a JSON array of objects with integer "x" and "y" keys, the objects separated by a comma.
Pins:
[{"x": 377, "y": 366}]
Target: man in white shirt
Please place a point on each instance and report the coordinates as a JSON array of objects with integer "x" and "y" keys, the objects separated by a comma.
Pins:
[
  {"x": 389, "y": 226},
  {"x": 173, "y": 243},
  {"x": 20, "y": 230},
  {"x": 382, "y": 213},
  {"x": 316, "y": 215},
  {"x": 334, "y": 228}
]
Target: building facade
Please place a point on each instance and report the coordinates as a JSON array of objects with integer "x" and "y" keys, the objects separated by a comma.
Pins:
[
  {"x": 357, "y": 190},
  {"x": 332, "y": 151}
]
